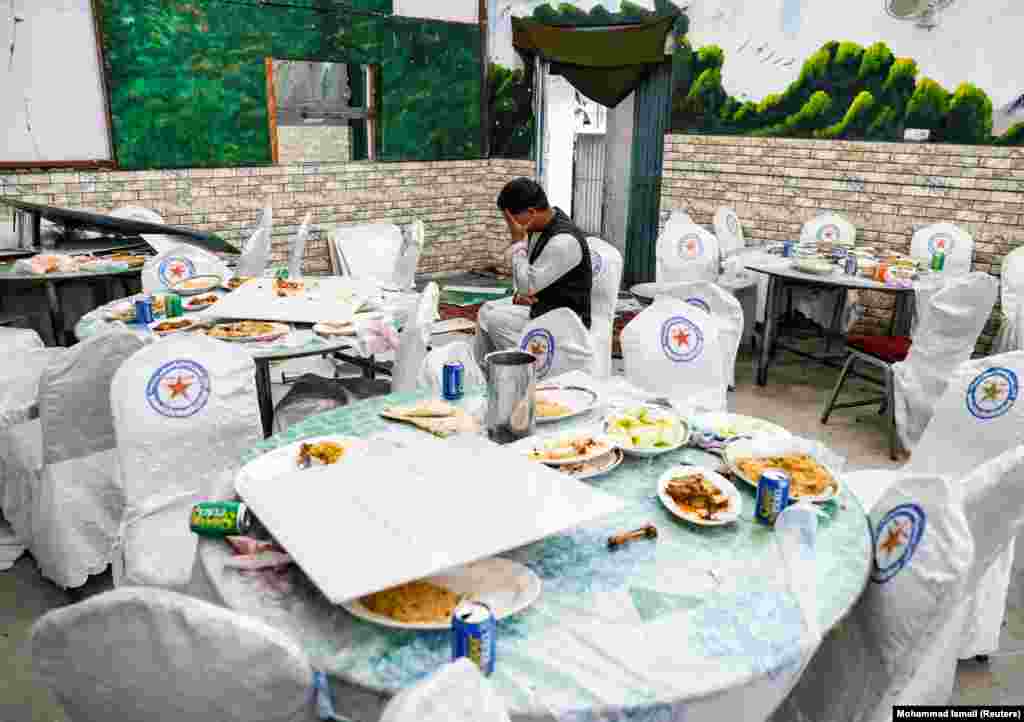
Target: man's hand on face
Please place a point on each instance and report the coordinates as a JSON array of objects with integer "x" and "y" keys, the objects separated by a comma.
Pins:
[
  {"x": 517, "y": 231},
  {"x": 520, "y": 300}
]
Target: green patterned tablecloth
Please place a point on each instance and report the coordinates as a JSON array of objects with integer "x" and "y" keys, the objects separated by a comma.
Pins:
[{"x": 676, "y": 628}]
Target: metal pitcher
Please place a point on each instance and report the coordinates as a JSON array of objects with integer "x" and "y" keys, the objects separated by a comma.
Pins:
[{"x": 510, "y": 395}]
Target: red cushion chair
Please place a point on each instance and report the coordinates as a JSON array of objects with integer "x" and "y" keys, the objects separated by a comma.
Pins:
[{"x": 888, "y": 348}]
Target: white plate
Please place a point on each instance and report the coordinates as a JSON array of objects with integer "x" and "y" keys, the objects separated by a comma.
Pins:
[
  {"x": 507, "y": 587},
  {"x": 742, "y": 449},
  {"x": 596, "y": 467},
  {"x": 196, "y": 285},
  {"x": 280, "y": 329},
  {"x": 719, "y": 422},
  {"x": 661, "y": 412},
  {"x": 192, "y": 325},
  {"x": 285, "y": 459},
  {"x": 605, "y": 446},
  {"x": 578, "y": 398},
  {"x": 198, "y": 306},
  {"x": 735, "y": 500}
]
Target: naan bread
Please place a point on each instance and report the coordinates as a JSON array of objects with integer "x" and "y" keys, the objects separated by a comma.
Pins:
[
  {"x": 457, "y": 422},
  {"x": 424, "y": 409}
]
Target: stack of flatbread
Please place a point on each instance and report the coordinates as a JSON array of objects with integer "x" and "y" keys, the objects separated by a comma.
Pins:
[{"x": 438, "y": 417}]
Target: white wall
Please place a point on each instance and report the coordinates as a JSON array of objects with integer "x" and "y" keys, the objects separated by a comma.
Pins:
[
  {"x": 618, "y": 163},
  {"x": 460, "y": 11}
]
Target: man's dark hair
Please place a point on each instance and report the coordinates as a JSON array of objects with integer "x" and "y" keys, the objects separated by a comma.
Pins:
[{"x": 520, "y": 194}]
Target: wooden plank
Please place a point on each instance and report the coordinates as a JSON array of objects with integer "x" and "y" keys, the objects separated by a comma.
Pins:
[{"x": 271, "y": 110}]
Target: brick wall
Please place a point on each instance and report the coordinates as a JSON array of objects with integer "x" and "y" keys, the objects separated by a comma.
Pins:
[
  {"x": 887, "y": 190},
  {"x": 455, "y": 199}
]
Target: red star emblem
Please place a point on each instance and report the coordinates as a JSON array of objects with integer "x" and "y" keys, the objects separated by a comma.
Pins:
[
  {"x": 941, "y": 243},
  {"x": 179, "y": 387},
  {"x": 681, "y": 337},
  {"x": 691, "y": 246},
  {"x": 894, "y": 537},
  {"x": 177, "y": 270}
]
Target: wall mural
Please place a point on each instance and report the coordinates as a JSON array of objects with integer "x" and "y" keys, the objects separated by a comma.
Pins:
[
  {"x": 751, "y": 68},
  {"x": 188, "y": 86}
]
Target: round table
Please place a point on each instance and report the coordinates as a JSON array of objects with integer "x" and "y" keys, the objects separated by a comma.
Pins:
[{"x": 710, "y": 594}]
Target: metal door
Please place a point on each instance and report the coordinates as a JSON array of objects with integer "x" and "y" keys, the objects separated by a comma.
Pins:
[{"x": 588, "y": 183}]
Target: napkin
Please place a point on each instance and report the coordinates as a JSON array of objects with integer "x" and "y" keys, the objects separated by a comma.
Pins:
[{"x": 375, "y": 336}]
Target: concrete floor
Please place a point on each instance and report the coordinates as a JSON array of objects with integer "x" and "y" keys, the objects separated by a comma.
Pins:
[{"x": 793, "y": 397}]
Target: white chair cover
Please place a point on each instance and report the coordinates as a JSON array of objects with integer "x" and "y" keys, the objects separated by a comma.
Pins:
[
  {"x": 14, "y": 339},
  {"x": 672, "y": 348},
  {"x": 414, "y": 340},
  {"x": 177, "y": 263},
  {"x": 297, "y": 248},
  {"x": 728, "y": 315},
  {"x": 895, "y": 648},
  {"x": 368, "y": 251},
  {"x": 413, "y": 238},
  {"x": 829, "y": 228},
  {"x": 948, "y": 323},
  {"x": 954, "y": 241},
  {"x": 455, "y": 693},
  {"x": 560, "y": 342},
  {"x": 686, "y": 252},
  {"x": 606, "y": 263},
  {"x": 729, "y": 231},
  {"x": 158, "y": 242},
  {"x": 184, "y": 409},
  {"x": 1011, "y": 298},
  {"x": 253, "y": 261},
  {"x": 457, "y": 351},
  {"x": 76, "y": 508},
  {"x": 147, "y": 654}
]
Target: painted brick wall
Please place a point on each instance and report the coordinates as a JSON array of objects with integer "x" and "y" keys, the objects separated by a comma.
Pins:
[
  {"x": 887, "y": 190},
  {"x": 455, "y": 199}
]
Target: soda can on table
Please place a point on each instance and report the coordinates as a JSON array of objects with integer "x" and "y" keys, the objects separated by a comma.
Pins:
[
  {"x": 144, "y": 310},
  {"x": 772, "y": 495},
  {"x": 787, "y": 249},
  {"x": 451, "y": 380},
  {"x": 850, "y": 264},
  {"x": 938, "y": 260},
  {"x": 221, "y": 518},
  {"x": 474, "y": 635},
  {"x": 172, "y": 306}
]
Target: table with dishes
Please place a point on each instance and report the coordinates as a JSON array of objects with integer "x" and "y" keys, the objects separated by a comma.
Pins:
[{"x": 606, "y": 619}]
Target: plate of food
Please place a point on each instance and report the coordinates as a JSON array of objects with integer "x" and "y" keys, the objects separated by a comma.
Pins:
[
  {"x": 815, "y": 265},
  {"x": 174, "y": 325},
  {"x": 560, "y": 449},
  {"x": 284, "y": 288},
  {"x": 810, "y": 478},
  {"x": 700, "y": 496},
  {"x": 196, "y": 285},
  {"x": 132, "y": 261},
  {"x": 237, "y": 281},
  {"x": 728, "y": 428},
  {"x": 595, "y": 467},
  {"x": 646, "y": 430},
  {"x": 334, "y": 328},
  {"x": 554, "y": 403},
  {"x": 304, "y": 454},
  {"x": 198, "y": 303},
  {"x": 507, "y": 587},
  {"x": 246, "y": 331}
]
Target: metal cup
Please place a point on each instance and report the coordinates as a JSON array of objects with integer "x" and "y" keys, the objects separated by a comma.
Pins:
[{"x": 510, "y": 395}]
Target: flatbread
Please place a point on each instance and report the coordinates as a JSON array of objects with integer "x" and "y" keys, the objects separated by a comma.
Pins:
[
  {"x": 453, "y": 422},
  {"x": 430, "y": 409}
]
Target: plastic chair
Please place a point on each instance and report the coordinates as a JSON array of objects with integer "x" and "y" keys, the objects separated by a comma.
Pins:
[
  {"x": 183, "y": 408},
  {"x": 1011, "y": 299},
  {"x": 672, "y": 348},
  {"x": 729, "y": 231},
  {"x": 728, "y": 315},
  {"x": 457, "y": 351},
  {"x": 949, "y": 322},
  {"x": 957, "y": 244},
  {"x": 606, "y": 262},
  {"x": 368, "y": 251},
  {"x": 178, "y": 263},
  {"x": 560, "y": 342},
  {"x": 138, "y": 653},
  {"x": 829, "y": 228},
  {"x": 686, "y": 252},
  {"x": 76, "y": 507},
  {"x": 297, "y": 248}
]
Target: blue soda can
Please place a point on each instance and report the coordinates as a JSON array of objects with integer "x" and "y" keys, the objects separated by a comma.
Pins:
[
  {"x": 772, "y": 495},
  {"x": 144, "y": 311},
  {"x": 451, "y": 381},
  {"x": 787, "y": 249},
  {"x": 851, "y": 265},
  {"x": 474, "y": 634}
]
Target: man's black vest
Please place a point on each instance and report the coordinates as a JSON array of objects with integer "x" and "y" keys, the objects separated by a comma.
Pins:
[{"x": 573, "y": 289}]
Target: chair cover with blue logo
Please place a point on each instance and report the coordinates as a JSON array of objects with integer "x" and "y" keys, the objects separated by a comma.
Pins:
[
  {"x": 413, "y": 238},
  {"x": 829, "y": 228},
  {"x": 178, "y": 263},
  {"x": 949, "y": 321},
  {"x": 672, "y": 348},
  {"x": 183, "y": 409},
  {"x": 76, "y": 507},
  {"x": 686, "y": 252},
  {"x": 727, "y": 312},
  {"x": 148, "y": 654},
  {"x": 1011, "y": 299},
  {"x": 368, "y": 251},
  {"x": 729, "y": 231},
  {"x": 414, "y": 340},
  {"x": 898, "y": 645},
  {"x": 606, "y": 262},
  {"x": 956, "y": 243},
  {"x": 297, "y": 248},
  {"x": 455, "y": 352},
  {"x": 560, "y": 342},
  {"x": 457, "y": 692}
]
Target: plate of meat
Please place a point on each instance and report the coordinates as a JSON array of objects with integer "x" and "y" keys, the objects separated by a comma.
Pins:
[{"x": 699, "y": 496}]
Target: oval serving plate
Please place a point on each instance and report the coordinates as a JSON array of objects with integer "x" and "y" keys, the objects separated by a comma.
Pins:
[
  {"x": 595, "y": 467},
  {"x": 657, "y": 411},
  {"x": 284, "y": 460},
  {"x": 731, "y": 427},
  {"x": 193, "y": 306},
  {"x": 577, "y": 399},
  {"x": 603, "y": 445},
  {"x": 742, "y": 449},
  {"x": 192, "y": 324},
  {"x": 507, "y": 587},
  {"x": 279, "y": 330},
  {"x": 723, "y": 484},
  {"x": 196, "y": 285}
]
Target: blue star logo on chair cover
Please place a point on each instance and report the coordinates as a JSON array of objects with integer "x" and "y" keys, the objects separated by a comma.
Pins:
[
  {"x": 992, "y": 393},
  {"x": 541, "y": 344},
  {"x": 941, "y": 242},
  {"x": 896, "y": 538},
  {"x": 596, "y": 264},
  {"x": 175, "y": 268},
  {"x": 691, "y": 246},
  {"x": 829, "y": 233},
  {"x": 178, "y": 389},
  {"x": 699, "y": 303},
  {"x": 681, "y": 340}
]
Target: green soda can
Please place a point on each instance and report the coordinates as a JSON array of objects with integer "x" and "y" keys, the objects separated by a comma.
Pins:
[
  {"x": 221, "y": 518},
  {"x": 938, "y": 260},
  {"x": 173, "y": 307},
  {"x": 282, "y": 273}
]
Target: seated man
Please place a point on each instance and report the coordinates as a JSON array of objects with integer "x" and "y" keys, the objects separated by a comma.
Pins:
[{"x": 551, "y": 271}]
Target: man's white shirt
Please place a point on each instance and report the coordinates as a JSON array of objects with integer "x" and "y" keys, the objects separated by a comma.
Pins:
[{"x": 561, "y": 254}]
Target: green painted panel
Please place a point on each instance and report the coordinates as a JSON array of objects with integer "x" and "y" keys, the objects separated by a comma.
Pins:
[{"x": 188, "y": 89}]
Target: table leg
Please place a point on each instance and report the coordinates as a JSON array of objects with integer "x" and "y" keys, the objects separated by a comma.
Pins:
[
  {"x": 900, "y": 323},
  {"x": 761, "y": 377},
  {"x": 265, "y": 397},
  {"x": 56, "y": 315},
  {"x": 837, "y": 320}
]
